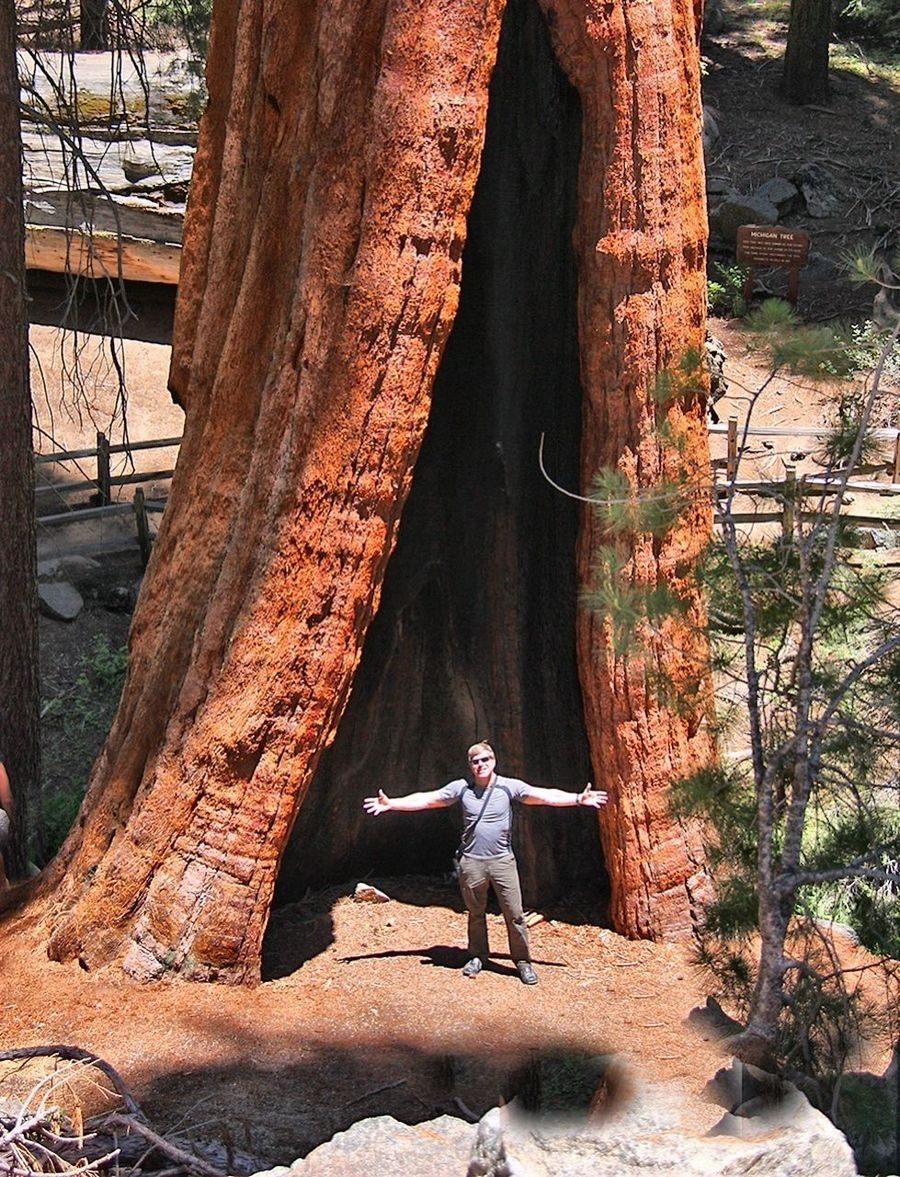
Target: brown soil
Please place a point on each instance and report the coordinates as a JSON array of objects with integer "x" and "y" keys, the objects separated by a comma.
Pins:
[{"x": 364, "y": 1010}]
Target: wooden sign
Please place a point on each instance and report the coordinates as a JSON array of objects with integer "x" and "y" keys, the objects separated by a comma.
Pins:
[{"x": 771, "y": 245}]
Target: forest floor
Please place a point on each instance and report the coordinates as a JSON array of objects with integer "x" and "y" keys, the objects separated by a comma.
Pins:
[{"x": 362, "y": 1010}]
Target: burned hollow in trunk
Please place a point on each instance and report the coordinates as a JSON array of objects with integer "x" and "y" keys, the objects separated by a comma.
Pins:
[{"x": 475, "y": 633}]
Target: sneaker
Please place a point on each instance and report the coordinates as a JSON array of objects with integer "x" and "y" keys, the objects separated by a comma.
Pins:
[
  {"x": 527, "y": 975},
  {"x": 473, "y": 967}
]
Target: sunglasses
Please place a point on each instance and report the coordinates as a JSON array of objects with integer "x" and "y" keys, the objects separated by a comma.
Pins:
[{"x": 480, "y": 760}]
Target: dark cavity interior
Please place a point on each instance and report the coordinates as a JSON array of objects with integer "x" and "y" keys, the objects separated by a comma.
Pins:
[{"x": 475, "y": 634}]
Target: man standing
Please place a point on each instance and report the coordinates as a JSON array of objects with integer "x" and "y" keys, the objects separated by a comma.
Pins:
[{"x": 487, "y": 857}]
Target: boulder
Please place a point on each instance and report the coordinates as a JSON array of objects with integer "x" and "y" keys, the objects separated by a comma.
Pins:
[
  {"x": 790, "y": 1139},
  {"x": 820, "y": 188},
  {"x": 382, "y": 1144},
  {"x": 780, "y": 192},
  {"x": 60, "y": 600},
  {"x": 742, "y": 210},
  {"x": 78, "y": 570}
]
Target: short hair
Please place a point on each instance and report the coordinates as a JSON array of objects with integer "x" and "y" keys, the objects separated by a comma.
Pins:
[{"x": 481, "y": 746}]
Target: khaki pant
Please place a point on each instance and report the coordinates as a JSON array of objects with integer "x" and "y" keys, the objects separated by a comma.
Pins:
[{"x": 476, "y": 875}]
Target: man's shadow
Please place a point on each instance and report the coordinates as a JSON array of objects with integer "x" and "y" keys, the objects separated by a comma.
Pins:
[{"x": 443, "y": 956}]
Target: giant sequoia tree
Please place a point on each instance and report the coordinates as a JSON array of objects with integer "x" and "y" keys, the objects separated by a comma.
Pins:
[{"x": 323, "y": 267}]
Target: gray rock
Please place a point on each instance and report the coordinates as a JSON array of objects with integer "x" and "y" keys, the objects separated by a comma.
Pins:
[
  {"x": 439, "y": 1148},
  {"x": 780, "y": 192},
  {"x": 820, "y": 188},
  {"x": 790, "y": 1140},
  {"x": 742, "y": 210},
  {"x": 877, "y": 539},
  {"x": 77, "y": 569},
  {"x": 713, "y": 18},
  {"x": 710, "y": 130},
  {"x": 719, "y": 186},
  {"x": 60, "y": 600}
]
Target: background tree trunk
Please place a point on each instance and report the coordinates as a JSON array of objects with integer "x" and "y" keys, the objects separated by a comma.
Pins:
[
  {"x": 321, "y": 273},
  {"x": 94, "y": 25},
  {"x": 19, "y": 734},
  {"x": 805, "y": 77}
]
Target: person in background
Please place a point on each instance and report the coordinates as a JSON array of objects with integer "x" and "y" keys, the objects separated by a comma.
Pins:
[
  {"x": 487, "y": 859},
  {"x": 6, "y": 812}
]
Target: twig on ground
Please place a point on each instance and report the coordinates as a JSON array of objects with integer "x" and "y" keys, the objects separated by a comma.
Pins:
[{"x": 375, "y": 1091}]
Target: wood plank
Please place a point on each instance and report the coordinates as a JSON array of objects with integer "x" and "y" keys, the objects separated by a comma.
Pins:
[{"x": 100, "y": 255}]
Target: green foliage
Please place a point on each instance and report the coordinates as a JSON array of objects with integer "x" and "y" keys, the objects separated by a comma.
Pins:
[
  {"x": 74, "y": 725},
  {"x": 875, "y": 20},
  {"x": 725, "y": 291},
  {"x": 806, "y": 648}
]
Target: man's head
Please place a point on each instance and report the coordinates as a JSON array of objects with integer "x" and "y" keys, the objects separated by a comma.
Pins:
[{"x": 481, "y": 762}]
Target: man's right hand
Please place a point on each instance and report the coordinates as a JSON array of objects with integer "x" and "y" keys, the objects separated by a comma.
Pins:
[{"x": 376, "y": 805}]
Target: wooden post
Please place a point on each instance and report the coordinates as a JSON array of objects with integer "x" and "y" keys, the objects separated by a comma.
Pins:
[
  {"x": 896, "y": 477},
  {"x": 790, "y": 498},
  {"x": 731, "y": 459},
  {"x": 104, "y": 487},
  {"x": 143, "y": 526},
  {"x": 793, "y": 289}
]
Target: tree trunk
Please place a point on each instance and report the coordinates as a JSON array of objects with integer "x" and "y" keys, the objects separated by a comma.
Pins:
[
  {"x": 94, "y": 25},
  {"x": 805, "y": 77},
  {"x": 19, "y": 734},
  {"x": 320, "y": 279}
]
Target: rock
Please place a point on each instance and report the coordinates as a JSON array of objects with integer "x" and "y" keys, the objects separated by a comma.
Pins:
[
  {"x": 718, "y": 187},
  {"x": 60, "y": 600},
  {"x": 712, "y": 1017},
  {"x": 742, "y": 210},
  {"x": 713, "y": 18},
  {"x": 820, "y": 188},
  {"x": 140, "y": 168},
  {"x": 780, "y": 192},
  {"x": 365, "y": 893},
  {"x": 439, "y": 1148},
  {"x": 710, "y": 130},
  {"x": 79, "y": 570},
  {"x": 876, "y": 539},
  {"x": 789, "y": 1140}
]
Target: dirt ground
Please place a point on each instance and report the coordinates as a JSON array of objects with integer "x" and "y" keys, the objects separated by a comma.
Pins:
[{"x": 363, "y": 1010}]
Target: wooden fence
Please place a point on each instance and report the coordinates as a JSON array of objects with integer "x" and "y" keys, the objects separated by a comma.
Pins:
[
  {"x": 101, "y": 486},
  {"x": 788, "y": 491}
]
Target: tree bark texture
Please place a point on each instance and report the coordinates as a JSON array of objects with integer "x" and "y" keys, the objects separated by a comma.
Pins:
[
  {"x": 19, "y": 732},
  {"x": 805, "y": 76},
  {"x": 321, "y": 273}
]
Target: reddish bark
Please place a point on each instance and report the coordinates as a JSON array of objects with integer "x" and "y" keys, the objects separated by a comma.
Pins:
[
  {"x": 640, "y": 240},
  {"x": 321, "y": 273}
]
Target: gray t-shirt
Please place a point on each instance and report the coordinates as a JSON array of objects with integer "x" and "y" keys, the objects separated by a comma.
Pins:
[{"x": 491, "y": 835}]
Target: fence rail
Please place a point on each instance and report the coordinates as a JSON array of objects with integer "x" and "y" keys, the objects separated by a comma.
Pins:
[{"x": 102, "y": 486}]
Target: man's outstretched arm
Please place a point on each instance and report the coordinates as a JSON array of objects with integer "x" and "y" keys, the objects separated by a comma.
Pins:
[
  {"x": 560, "y": 799},
  {"x": 411, "y": 803}
]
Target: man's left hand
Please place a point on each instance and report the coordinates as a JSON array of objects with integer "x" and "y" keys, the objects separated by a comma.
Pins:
[{"x": 592, "y": 797}]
